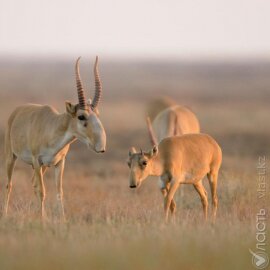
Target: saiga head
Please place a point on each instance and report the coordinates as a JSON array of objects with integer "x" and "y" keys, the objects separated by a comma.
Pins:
[
  {"x": 140, "y": 164},
  {"x": 85, "y": 124}
]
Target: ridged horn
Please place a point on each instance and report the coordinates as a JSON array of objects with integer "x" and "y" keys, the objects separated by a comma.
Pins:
[
  {"x": 98, "y": 86},
  {"x": 80, "y": 91},
  {"x": 152, "y": 136}
]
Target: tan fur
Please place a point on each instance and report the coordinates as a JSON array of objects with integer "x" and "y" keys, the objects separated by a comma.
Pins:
[
  {"x": 174, "y": 120},
  {"x": 41, "y": 137},
  {"x": 179, "y": 160}
]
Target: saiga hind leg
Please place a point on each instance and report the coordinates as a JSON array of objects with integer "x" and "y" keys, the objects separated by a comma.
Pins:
[
  {"x": 212, "y": 177},
  {"x": 203, "y": 194},
  {"x": 10, "y": 163}
]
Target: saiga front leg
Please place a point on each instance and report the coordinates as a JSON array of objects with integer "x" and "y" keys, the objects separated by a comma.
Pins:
[
  {"x": 34, "y": 181},
  {"x": 40, "y": 186},
  {"x": 169, "y": 198},
  {"x": 59, "y": 169},
  {"x": 164, "y": 192},
  {"x": 164, "y": 189}
]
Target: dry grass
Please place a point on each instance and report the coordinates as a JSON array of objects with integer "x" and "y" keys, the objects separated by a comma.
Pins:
[{"x": 112, "y": 227}]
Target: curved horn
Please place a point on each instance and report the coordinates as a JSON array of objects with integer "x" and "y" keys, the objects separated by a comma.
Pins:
[
  {"x": 98, "y": 87},
  {"x": 152, "y": 136},
  {"x": 80, "y": 91}
]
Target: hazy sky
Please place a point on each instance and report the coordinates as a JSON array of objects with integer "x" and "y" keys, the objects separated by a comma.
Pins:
[{"x": 138, "y": 28}]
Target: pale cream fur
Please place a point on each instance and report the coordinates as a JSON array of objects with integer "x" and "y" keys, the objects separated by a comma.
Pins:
[
  {"x": 174, "y": 121},
  {"x": 41, "y": 137}
]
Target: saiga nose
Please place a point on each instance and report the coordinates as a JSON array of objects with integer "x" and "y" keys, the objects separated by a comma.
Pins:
[{"x": 101, "y": 151}]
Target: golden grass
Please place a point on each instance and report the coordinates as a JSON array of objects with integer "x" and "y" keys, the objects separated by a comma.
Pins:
[{"x": 111, "y": 227}]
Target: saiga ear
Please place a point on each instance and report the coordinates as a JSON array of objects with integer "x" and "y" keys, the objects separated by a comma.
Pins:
[
  {"x": 153, "y": 152},
  {"x": 132, "y": 151},
  {"x": 89, "y": 103},
  {"x": 71, "y": 108}
]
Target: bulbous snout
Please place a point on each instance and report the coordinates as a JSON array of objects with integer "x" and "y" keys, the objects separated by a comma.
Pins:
[
  {"x": 100, "y": 149},
  {"x": 100, "y": 145},
  {"x": 133, "y": 181},
  {"x": 99, "y": 139}
]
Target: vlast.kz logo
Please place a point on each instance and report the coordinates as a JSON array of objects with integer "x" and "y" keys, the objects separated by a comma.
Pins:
[{"x": 259, "y": 259}]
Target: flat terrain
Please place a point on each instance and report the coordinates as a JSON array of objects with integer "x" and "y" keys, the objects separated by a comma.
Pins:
[{"x": 110, "y": 226}]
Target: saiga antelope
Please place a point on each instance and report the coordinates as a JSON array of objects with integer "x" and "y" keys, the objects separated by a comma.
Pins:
[
  {"x": 173, "y": 121},
  {"x": 179, "y": 160},
  {"x": 41, "y": 137}
]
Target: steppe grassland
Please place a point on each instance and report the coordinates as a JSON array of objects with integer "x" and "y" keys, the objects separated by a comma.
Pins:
[{"x": 110, "y": 226}]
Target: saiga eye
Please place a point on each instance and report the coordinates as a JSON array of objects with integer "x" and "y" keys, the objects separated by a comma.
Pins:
[
  {"x": 144, "y": 163},
  {"x": 81, "y": 117}
]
